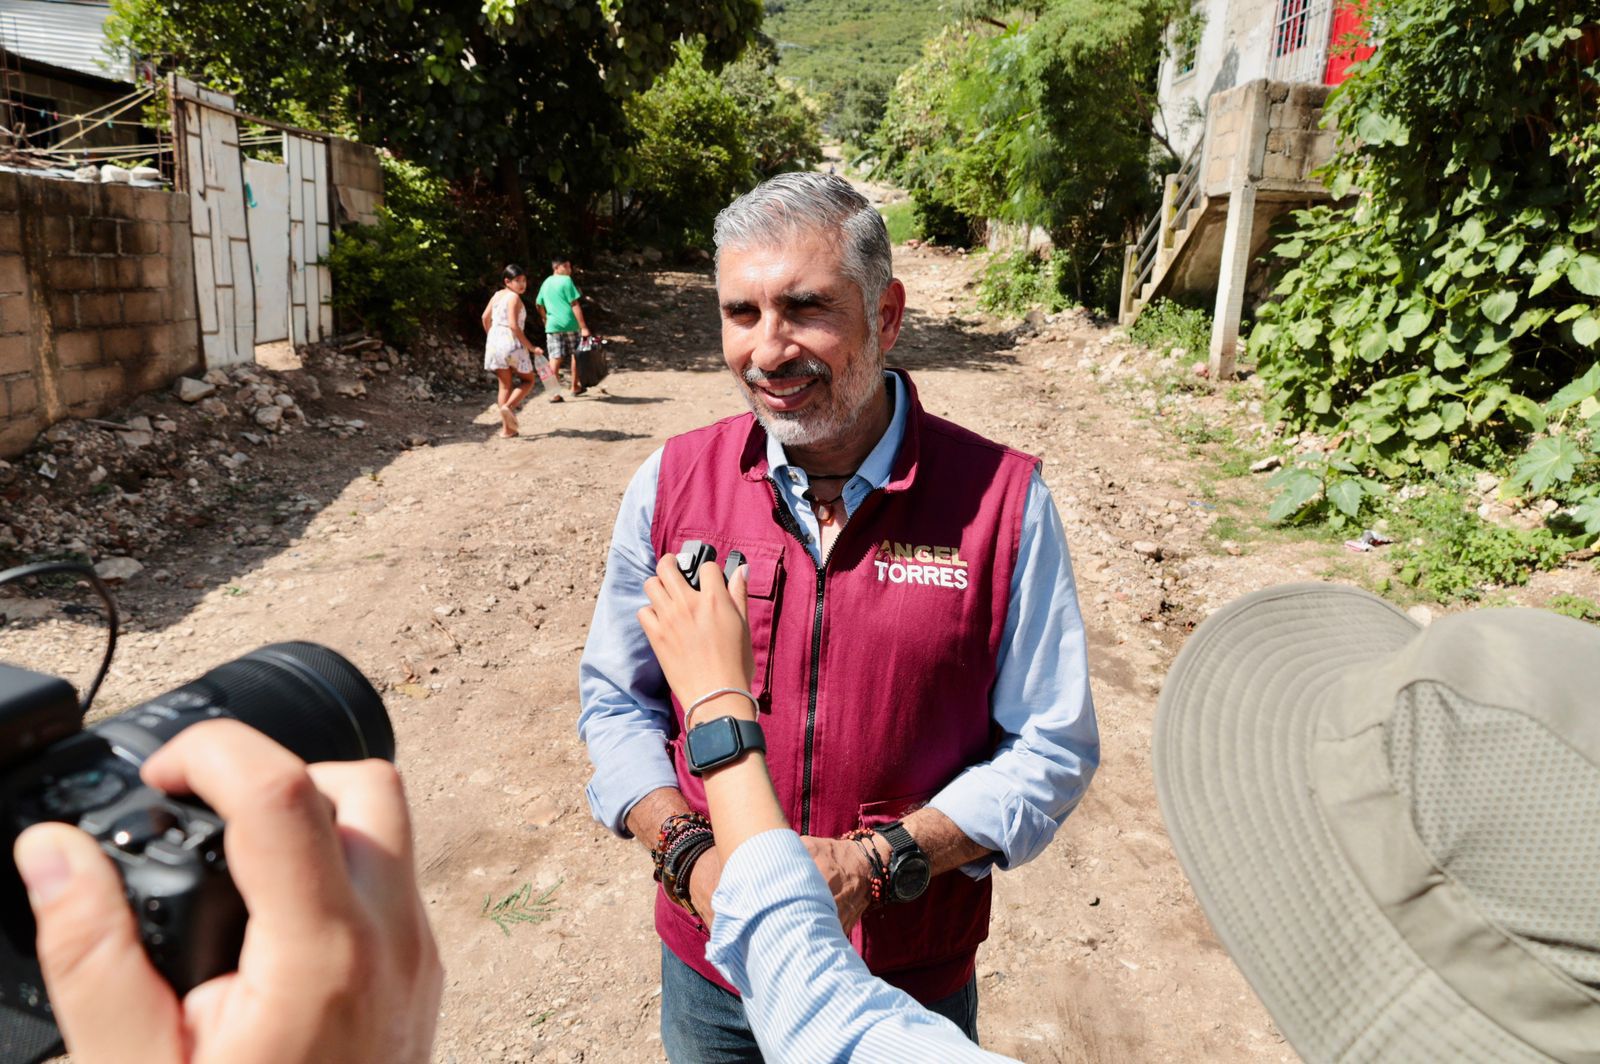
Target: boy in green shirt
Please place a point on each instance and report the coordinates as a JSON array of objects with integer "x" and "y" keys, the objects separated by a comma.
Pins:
[{"x": 563, "y": 320}]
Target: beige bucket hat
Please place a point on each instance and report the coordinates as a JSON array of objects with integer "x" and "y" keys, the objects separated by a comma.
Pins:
[{"x": 1395, "y": 830}]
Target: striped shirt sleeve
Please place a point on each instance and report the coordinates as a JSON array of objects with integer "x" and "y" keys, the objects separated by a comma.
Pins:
[{"x": 808, "y": 995}]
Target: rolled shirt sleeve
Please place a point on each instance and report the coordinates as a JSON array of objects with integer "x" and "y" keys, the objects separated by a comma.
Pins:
[
  {"x": 625, "y": 716},
  {"x": 1014, "y": 803}
]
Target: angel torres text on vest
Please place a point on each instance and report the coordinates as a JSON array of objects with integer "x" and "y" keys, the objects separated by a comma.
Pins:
[{"x": 916, "y": 563}]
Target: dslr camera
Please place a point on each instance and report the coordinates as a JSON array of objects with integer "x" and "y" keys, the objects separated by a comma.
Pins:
[{"x": 168, "y": 850}]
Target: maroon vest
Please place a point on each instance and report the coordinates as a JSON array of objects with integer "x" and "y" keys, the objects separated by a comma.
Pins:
[{"x": 874, "y": 672}]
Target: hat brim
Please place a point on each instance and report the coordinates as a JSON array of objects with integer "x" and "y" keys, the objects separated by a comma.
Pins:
[{"x": 1233, "y": 741}]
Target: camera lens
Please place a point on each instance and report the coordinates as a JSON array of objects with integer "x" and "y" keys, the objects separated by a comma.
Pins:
[{"x": 304, "y": 696}]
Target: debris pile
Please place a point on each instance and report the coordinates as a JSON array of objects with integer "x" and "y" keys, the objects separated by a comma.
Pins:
[{"x": 120, "y": 488}]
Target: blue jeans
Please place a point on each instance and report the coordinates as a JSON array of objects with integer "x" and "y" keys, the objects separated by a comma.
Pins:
[{"x": 701, "y": 1023}]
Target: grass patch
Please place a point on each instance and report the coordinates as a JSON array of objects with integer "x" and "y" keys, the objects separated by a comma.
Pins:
[
  {"x": 1165, "y": 325},
  {"x": 902, "y": 222},
  {"x": 521, "y": 906},
  {"x": 1575, "y": 606},
  {"x": 1446, "y": 551},
  {"x": 1016, "y": 284}
]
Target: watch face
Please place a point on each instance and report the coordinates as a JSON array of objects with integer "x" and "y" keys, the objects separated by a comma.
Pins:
[
  {"x": 910, "y": 877},
  {"x": 713, "y": 742}
]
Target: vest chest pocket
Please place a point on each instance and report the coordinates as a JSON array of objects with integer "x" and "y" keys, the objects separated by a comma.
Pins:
[{"x": 764, "y": 593}]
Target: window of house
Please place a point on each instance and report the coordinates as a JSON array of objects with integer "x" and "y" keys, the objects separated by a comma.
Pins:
[
  {"x": 1186, "y": 35},
  {"x": 1292, "y": 28}
]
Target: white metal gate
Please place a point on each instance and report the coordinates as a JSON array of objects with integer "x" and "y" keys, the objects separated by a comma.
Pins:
[
  {"x": 267, "y": 202},
  {"x": 310, "y": 284},
  {"x": 288, "y": 224},
  {"x": 214, "y": 178}
]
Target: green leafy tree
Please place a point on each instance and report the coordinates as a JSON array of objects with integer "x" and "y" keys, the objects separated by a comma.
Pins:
[
  {"x": 1046, "y": 120},
  {"x": 1454, "y": 287},
  {"x": 690, "y": 157},
  {"x": 782, "y": 128},
  {"x": 527, "y": 92},
  {"x": 847, "y": 53}
]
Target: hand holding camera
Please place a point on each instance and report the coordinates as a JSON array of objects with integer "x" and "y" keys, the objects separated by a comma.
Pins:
[
  {"x": 338, "y": 960},
  {"x": 195, "y": 890},
  {"x": 697, "y": 629}
]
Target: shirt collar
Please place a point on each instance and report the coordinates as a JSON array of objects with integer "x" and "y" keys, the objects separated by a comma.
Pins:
[{"x": 879, "y": 463}]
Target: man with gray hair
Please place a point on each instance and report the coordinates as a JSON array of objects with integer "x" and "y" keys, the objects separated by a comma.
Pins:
[{"x": 918, "y": 668}]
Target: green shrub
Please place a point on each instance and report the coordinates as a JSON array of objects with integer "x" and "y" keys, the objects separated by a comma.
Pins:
[
  {"x": 1459, "y": 554},
  {"x": 1165, "y": 324},
  {"x": 1454, "y": 287},
  {"x": 1016, "y": 284},
  {"x": 391, "y": 276}
]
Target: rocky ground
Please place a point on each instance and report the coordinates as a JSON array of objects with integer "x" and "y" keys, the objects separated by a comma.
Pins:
[{"x": 377, "y": 513}]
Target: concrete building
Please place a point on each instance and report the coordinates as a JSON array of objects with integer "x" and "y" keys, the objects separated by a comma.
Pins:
[
  {"x": 1238, "y": 41},
  {"x": 54, "y": 63},
  {"x": 1242, "y": 93}
]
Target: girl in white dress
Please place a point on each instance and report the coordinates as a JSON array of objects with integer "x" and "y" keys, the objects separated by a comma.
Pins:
[{"x": 508, "y": 350}]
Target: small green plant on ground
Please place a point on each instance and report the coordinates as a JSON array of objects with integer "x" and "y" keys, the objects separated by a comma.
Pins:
[
  {"x": 1576, "y": 606},
  {"x": 1016, "y": 284},
  {"x": 1445, "y": 550},
  {"x": 1164, "y": 325},
  {"x": 521, "y": 906},
  {"x": 903, "y": 222}
]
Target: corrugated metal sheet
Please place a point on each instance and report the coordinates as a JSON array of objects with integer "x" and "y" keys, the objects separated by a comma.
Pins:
[{"x": 63, "y": 33}]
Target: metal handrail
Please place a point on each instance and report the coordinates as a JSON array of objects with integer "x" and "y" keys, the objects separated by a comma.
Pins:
[{"x": 1160, "y": 225}]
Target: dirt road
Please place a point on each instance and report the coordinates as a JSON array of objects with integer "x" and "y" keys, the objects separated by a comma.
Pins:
[{"x": 461, "y": 577}]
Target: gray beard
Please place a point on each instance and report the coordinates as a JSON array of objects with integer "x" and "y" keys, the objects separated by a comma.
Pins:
[{"x": 850, "y": 393}]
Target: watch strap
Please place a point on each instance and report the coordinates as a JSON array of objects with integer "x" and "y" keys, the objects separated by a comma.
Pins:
[{"x": 896, "y": 835}]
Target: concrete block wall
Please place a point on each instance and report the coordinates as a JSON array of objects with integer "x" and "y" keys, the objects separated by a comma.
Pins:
[
  {"x": 97, "y": 300},
  {"x": 1297, "y": 145},
  {"x": 1284, "y": 150},
  {"x": 357, "y": 178}
]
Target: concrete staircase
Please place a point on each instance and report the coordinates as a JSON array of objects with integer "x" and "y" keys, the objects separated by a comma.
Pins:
[{"x": 1149, "y": 264}]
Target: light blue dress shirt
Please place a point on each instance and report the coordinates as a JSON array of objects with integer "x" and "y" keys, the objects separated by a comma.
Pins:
[
  {"x": 807, "y": 994},
  {"x": 1011, "y": 804}
]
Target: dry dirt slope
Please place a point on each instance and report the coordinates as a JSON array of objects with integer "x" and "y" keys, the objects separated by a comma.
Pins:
[{"x": 461, "y": 577}]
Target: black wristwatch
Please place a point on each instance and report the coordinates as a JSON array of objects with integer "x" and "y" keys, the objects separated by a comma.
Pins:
[
  {"x": 719, "y": 741},
  {"x": 909, "y": 870}
]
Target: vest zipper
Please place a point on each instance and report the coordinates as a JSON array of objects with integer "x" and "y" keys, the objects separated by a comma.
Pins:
[{"x": 787, "y": 522}]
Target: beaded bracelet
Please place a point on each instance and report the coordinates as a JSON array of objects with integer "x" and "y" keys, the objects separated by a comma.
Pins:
[
  {"x": 878, "y": 877},
  {"x": 672, "y": 829}
]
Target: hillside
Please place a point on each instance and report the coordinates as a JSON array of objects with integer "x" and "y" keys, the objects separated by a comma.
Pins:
[{"x": 850, "y": 51}]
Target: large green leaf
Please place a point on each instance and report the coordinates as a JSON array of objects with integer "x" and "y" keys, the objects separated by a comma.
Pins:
[
  {"x": 1425, "y": 427},
  {"x": 1586, "y": 330},
  {"x": 1498, "y": 307},
  {"x": 1374, "y": 343},
  {"x": 1576, "y": 392},
  {"x": 1413, "y": 321},
  {"x": 1346, "y": 496},
  {"x": 1454, "y": 415},
  {"x": 1299, "y": 487},
  {"x": 1584, "y": 273},
  {"x": 1548, "y": 462},
  {"x": 1587, "y": 513},
  {"x": 1525, "y": 410}
]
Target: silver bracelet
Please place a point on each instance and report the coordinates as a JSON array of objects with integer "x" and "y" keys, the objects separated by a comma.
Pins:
[{"x": 688, "y": 714}]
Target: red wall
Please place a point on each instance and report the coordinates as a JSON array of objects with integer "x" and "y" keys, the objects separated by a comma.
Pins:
[{"x": 1349, "y": 27}]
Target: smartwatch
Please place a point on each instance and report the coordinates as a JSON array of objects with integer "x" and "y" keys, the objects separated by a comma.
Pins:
[
  {"x": 717, "y": 742},
  {"x": 909, "y": 870}
]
